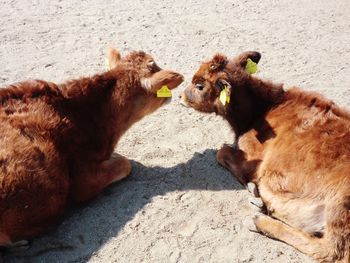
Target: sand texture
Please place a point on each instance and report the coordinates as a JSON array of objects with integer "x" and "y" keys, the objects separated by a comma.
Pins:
[{"x": 178, "y": 205}]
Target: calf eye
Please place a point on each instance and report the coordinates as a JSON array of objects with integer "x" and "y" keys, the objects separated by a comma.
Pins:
[
  {"x": 199, "y": 86},
  {"x": 151, "y": 63}
]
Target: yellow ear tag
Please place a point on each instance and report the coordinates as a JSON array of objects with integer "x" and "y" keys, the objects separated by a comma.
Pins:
[
  {"x": 224, "y": 96},
  {"x": 108, "y": 65},
  {"x": 164, "y": 92},
  {"x": 251, "y": 67}
]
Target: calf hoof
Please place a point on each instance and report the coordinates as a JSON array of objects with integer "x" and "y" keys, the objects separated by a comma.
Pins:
[
  {"x": 253, "y": 189},
  {"x": 249, "y": 223},
  {"x": 256, "y": 202}
]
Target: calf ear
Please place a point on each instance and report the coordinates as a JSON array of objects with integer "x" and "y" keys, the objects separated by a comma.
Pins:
[
  {"x": 241, "y": 59},
  {"x": 218, "y": 63},
  {"x": 113, "y": 57},
  {"x": 224, "y": 88},
  {"x": 222, "y": 84}
]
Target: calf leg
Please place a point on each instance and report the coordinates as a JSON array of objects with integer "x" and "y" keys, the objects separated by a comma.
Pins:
[
  {"x": 92, "y": 180},
  {"x": 235, "y": 161},
  {"x": 318, "y": 248}
]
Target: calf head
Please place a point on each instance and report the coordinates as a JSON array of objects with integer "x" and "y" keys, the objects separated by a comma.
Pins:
[
  {"x": 148, "y": 79},
  {"x": 216, "y": 76}
]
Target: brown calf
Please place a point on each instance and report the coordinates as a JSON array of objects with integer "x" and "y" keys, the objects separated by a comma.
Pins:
[
  {"x": 57, "y": 141},
  {"x": 294, "y": 145}
]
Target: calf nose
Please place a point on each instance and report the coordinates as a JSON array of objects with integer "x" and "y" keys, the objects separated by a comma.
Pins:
[{"x": 183, "y": 101}]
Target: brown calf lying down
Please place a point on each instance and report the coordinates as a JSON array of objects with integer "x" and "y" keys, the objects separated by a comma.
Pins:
[
  {"x": 57, "y": 141},
  {"x": 294, "y": 145}
]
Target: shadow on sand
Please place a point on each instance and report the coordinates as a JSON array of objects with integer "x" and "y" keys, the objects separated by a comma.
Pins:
[{"x": 87, "y": 228}]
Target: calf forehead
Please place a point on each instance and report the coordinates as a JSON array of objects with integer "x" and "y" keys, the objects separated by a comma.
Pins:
[
  {"x": 138, "y": 57},
  {"x": 201, "y": 73}
]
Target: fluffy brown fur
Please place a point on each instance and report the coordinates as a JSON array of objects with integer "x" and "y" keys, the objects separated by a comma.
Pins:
[
  {"x": 294, "y": 145},
  {"x": 57, "y": 141}
]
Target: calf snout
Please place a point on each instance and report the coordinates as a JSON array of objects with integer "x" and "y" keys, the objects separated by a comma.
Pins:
[
  {"x": 183, "y": 100},
  {"x": 172, "y": 79}
]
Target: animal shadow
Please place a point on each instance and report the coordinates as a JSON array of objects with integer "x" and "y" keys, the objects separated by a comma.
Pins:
[{"x": 85, "y": 229}]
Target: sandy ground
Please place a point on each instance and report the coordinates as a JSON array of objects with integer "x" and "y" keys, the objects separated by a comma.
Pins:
[{"x": 178, "y": 205}]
